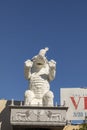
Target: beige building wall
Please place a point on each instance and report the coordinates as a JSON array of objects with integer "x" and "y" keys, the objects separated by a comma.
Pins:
[
  {"x": 2, "y": 105},
  {"x": 72, "y": 127},
  {"x": 5, "y": 115}
]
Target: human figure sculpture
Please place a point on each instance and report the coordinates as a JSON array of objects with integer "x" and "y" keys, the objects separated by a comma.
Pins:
[{"x": 39, "y": 72}]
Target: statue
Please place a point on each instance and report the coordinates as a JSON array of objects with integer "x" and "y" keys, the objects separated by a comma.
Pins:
[{"x": 39, "y": 72}]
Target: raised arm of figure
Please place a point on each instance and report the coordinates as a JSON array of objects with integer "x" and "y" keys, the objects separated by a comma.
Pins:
[
  {"x": 27, "y": 69},
  {"x": 52, "y": 69}
]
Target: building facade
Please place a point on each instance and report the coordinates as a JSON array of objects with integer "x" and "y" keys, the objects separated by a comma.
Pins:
[{"x": 5, "y": 120}]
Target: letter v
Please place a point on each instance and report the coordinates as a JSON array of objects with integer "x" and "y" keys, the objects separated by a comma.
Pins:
[{"x": 74, "y": 102}]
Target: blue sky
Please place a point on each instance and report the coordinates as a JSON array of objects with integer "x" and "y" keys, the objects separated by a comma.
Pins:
[{"x": 26, "y": 26}]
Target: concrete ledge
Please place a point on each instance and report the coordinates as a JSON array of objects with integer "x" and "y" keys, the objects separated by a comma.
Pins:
[{"x": 38, "y": 116}]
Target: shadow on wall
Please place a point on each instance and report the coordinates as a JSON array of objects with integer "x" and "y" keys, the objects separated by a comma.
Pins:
[
  {"x": 16, "y": 128},
  {"x": 5, "y": 114}
]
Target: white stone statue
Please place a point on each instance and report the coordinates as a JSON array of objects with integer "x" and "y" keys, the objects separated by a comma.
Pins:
[{"x": 39, "y": 72}]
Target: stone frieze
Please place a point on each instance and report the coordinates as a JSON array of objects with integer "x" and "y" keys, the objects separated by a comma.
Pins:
[{"x": 38, "y": 116}]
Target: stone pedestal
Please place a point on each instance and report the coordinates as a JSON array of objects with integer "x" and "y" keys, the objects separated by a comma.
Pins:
[
  {"x": 37, "y": 117},
  {"x": 38, "y": 111}
]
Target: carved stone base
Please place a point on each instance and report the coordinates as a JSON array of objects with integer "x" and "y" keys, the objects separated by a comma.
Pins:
[{"x": 38, "y": 116}]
